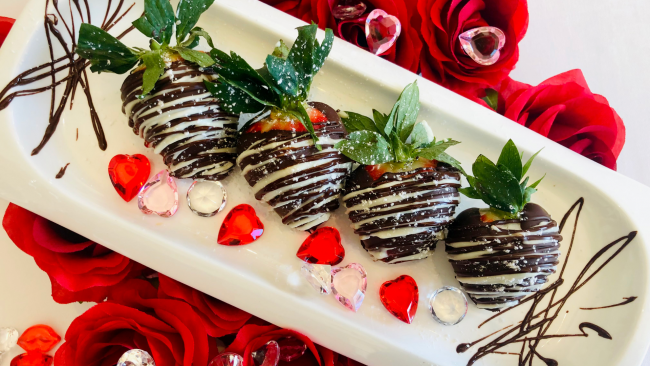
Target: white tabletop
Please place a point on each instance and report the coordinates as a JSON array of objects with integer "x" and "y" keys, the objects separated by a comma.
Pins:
[{"x": 604, "y": 38}]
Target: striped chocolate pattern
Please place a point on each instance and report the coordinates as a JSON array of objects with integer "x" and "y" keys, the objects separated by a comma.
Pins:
[
  {"x": 183, "y": 122},
  {"x": 499, "y": 263},
  {"x": 285, "y": 170},
  {"x": 401, "y": 216}
]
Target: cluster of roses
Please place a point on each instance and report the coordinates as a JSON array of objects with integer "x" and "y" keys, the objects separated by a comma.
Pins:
[
  {"x": 139, "y": 308},
  {"x": 561, "y": 108}
]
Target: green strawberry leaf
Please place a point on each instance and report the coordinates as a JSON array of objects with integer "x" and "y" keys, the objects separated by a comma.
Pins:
[
  {"x": 284, "y": 75},
  {"x": 422, "y": 135},
  {"x": 470, "y": 193},
  {"x": 491, "y": 98},
  {"x": 529, "y": 162},
  {"x": 366, "y": 147},
  {"x": 158, "y": 21},
  {"x": 233, "y": 100},
  {"x": 200, "y": 58},
  {"x": 155, "y": 64},
  {"x": 511, "y": 159},
  {"x": 298, "y": 109},
  {"x": 281, "y": 50},
  {"x": 357, "y": 122},
  {"x": 105, "y": 52},
  {"x": 195, "y": 36},
  {"x": 188, "y": 13},
  {"x": 381, "y": 120},
  {"x": 407, "y": 113}
]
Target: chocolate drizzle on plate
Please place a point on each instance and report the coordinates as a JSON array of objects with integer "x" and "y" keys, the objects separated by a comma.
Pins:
[
  {"x": 534, "y": 327},
  {"x": 75, "y": 66},
  {"x": 61, "y": 172},
  {"x": 627, "y": 301}
]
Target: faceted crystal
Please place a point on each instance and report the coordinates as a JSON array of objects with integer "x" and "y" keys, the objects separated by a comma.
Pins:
[
  {"x": 448, "y": 305},
  {"x": 349, "y": 285},
  {"x": 319, "y": 276},
  {"x": 241, "y": 226},
  {"x": 291, "y": 348},
  {"x": 382, "y": 31},
  {"x": 348, "y": 9},
  {"x": 267, "y": 355},
  {"x": 206, "y": 198},
  {"x": 8, "y": 339},
  {"x": 159, "y": 196},
  {"x": 39, "y": 338},
  {"x": 136, "y": 357},
  {"x": 483, "y": 44},
  {"x": 400, "y": 297},
  {"x": 227, "y": 359},
  {"x": 128, "y": 173},
  {"x": 32, "y": 359},
  {"x": 323, "y": 246}
]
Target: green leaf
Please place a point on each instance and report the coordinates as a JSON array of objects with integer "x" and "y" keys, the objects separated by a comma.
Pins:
[
  {"x": 491, "y": 98},
  {"x": 407, "y": 113},
  {"x": 390, "y": 121},
  {"x": 298, "y": 109},
  {"x": 366, "y": 147},
  {"x": 534, "y": 185},
  {"x": 301, "y": 57},
  {"x": 400, "y": 150},
  {"x": 155, "y": 64},
  {"x": 158, "y": 21},
  {"x": 281, "y": 50},
  {"x": 380, "y": 120},
  {"x": 322, "y": 50},
  {"x": 510, "y": 159},
  {"x": 105, "y": 52},
  {"x": 233, "y": 100},
  {"x": 195, "y": 36},
  {"x": 200, "y": 58},
  {"x": 470, "y": 193},
  {"x": 421, "y": 135},
  {"x": 284, "y": 74},
  {"x": 528, "y": 192},
  {"x": 446, "y": 158},
  {"x": 358, "y": 122},
  {"x": 498, "y": 187},
  {"x": 188, "y": 13},
  {"x": 434, "y": 149},
  {"x": 529, "y": 162}
]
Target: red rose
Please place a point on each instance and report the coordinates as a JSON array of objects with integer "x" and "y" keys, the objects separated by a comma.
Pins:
[
  {"x": 134, "y": 317},
  {"x": 251, "y": 337},
  {"x": 442, "y": 21},
  {"x": 5, "y": 27},
  {"x": 563, "y": 109},
  {"x": 79, "y": 269},
  {"x": 317, "y": 11},
  {"x": 218, "y": 317},
  {"x": 407, "y": 49}
]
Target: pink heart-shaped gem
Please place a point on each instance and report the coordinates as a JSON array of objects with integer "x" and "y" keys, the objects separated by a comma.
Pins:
[
  {"x": 382, "y": 31},
  {"x": 159, "y": 196},
  {"x": 349, "y": 285}
]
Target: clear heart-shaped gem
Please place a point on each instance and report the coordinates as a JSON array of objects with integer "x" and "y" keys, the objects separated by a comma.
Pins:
[
  {"x": 159, "y": 196},
  {"x": 382, "y": 31},
  {"x": 319, "y": 276},
  {"x": 136, "y": 357},
  {"x": 227, "y": 359},
  {"x": 267, "y": 355},
  {"x": 349, "y": 285},
  {"x": 206, "y": 198},
  {"x": 483, "y": 44},
  {"x": 348, "y": 9},
  {"x": 8, "y": 339}
]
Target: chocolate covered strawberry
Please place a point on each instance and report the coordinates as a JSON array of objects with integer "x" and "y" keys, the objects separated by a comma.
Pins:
[
  {"x": 287, "y": 156},
  {"x": 404, "y": 195},
  {"x": 165, "y": 97},
  {"x": 506, "y": 252}
]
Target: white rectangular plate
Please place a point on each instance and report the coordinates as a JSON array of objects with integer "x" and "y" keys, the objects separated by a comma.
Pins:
[{"x": 264, "y": 277}]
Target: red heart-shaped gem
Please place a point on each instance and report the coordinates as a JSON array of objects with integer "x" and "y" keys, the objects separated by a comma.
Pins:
[
  {"x": 382, "y": 31},
  {"x": 323, "y": 246},
  {"x": 128, "y": 174},
  {"x": 39, "y": 338},
  {"x": 32, "y": 359},
  {"x": 241, "y": 226},
  {"x": 400, "y": 297}
]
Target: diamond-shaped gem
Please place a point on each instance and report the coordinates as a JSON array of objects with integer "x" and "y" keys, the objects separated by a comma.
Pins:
[
  {"x": 349, "y": 285},
  {"x": 136, "y": 357},
  {"x": 206, "y": 198},
  {"x": 319, "y": 276},
  {"x": 227, "y": 359},
  {"x": 382, "y": 31},
  {"x": 159, "y": 196},
  {"x": 267, "y": 355},
  {"x": 483, "y": 44},
  {"x": 8, "y": 339}
]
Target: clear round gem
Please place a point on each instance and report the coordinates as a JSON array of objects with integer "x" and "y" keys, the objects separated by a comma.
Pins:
[
  {"x": 267, "y": 355},
  {"x": 159, "y": 196},
  {"x": 227, "y": 359},
  {"x": 349, "y": 285},
  {"x": 206, "y": 198},
  {"x": 319, "y": 276},
  {"x": 136, "y": 357},
  {"x": 348, "y": 9},
  {"x": 483, "y": 44},
  {"x": 8, "y": 339},
  {"x": 448, "y": 305}
]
